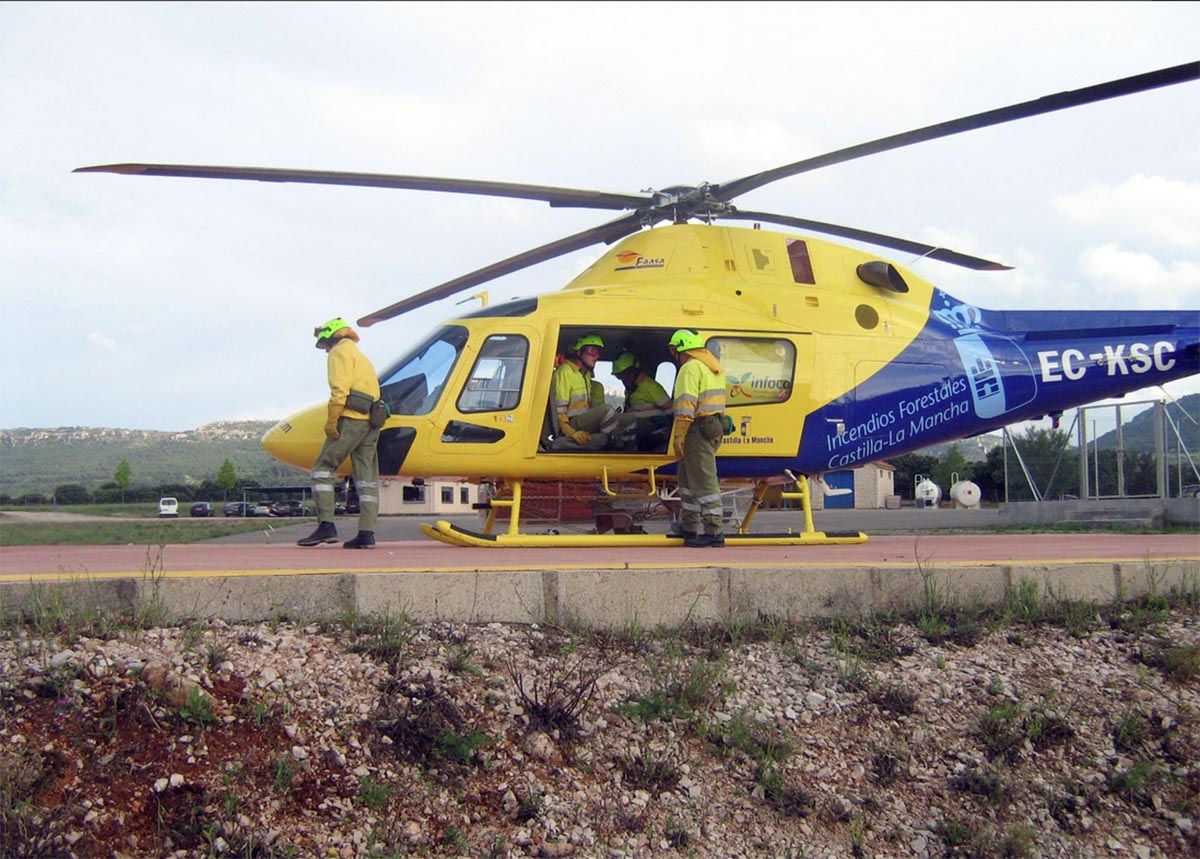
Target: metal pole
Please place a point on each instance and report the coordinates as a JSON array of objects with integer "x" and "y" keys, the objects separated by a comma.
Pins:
[
  {"x": 1160, "y": 459},
  {"x": 1084, "y": 492},
  {"x": 1004, "y": 441}
]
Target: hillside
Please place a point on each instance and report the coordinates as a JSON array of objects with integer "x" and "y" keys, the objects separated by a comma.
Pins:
[
  {"x": 1138, "y": 432},
  {"x": 37, "y": 460}
]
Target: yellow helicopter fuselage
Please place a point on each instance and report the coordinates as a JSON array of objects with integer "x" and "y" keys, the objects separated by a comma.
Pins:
[{"x": 834, "y": 357}]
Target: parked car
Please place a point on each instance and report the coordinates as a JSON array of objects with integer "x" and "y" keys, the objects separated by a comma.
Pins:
[
  {"x": 238, "y": 508},
  {"x": 262, "y": 508},
  {"x": 202, "y": 508},
  {"x": 168, "y": 508},
  {"x": 289, "y": 508}
]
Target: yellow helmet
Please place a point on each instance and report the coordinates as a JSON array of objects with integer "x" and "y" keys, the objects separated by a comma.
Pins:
[
  {"x": 627, "y": 361},
  {"x": 588, "y": 340},
  {"x": 685, "y": 339},
  {"x": 333, "y": 326}
]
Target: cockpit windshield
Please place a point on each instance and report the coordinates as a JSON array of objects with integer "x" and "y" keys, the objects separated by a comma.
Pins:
[{"x": 414, "y": 383}]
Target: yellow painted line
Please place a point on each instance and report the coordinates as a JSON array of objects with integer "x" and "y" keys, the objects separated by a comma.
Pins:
[{"x": 83, "y": 575}]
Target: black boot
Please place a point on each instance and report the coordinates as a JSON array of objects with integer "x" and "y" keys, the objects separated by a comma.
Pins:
[
  {"x": 364, "y": 540},
  {"x": 326, "y": 533}
]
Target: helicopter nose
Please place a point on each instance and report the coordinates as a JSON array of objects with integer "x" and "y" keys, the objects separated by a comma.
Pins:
[{"x": 296, "y": 440}]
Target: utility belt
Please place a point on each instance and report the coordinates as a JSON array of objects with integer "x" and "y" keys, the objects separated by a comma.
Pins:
[
  {"x": 715, "y": 426},
  {"x": 377, "y": 411}
]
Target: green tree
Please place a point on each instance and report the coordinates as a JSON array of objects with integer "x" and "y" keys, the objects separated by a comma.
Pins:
[
  {"x": 1053, "y": 464},
  {"x": 123, "y": 477},
  {"x": 226, "y": 478},
  {"x": 1140, "y": 470},
  {"x": 72, "y": 493}
]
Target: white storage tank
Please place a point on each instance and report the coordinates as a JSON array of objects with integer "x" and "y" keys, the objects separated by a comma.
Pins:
[
  {"x": 964, "y": 493},
  {"x": 928, "y": 493}
]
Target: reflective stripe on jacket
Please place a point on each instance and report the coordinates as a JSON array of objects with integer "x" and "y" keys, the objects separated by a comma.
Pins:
[
  {"x": 699, "y": 386},
  {"x": 649, "y": 399},
  {"x": 572, "y": 390}
]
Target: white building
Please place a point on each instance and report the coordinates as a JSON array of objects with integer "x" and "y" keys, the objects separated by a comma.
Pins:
[{"x": 426, "y": 495}]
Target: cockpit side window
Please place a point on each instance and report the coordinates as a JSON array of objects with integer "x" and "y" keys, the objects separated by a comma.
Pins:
[
  {"x": 495, "y": 381},
  {"x": 412, "y": 385}
]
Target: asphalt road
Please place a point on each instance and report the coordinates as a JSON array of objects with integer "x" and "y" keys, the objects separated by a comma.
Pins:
[{"x": 871, "y": 522}]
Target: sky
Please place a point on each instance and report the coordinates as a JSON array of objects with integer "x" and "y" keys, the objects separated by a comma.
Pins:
[{"x": 166, "y": 303}]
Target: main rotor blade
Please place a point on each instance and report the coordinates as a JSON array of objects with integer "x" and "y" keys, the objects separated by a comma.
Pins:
[
  {"x": 1046, "y": 104},
  {"x": 555, "y": 196},
  {"x": 923, "y": 250},
  {"x": 607, "y": 233}
]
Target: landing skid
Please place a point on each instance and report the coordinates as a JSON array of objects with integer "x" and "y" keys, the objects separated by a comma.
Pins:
[
  {"x": 449, "y": 533},
  {"x": 513, "y": 537}
]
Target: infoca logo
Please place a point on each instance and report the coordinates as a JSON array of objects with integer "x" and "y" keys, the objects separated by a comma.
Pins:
[{"x": 632, "y": 260}]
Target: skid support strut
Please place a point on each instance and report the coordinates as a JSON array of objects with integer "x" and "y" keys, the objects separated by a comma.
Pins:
[{"x": 447, "y": 532}]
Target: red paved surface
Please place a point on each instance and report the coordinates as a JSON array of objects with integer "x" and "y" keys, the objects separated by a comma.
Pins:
[{"x": 19, "y": 563}]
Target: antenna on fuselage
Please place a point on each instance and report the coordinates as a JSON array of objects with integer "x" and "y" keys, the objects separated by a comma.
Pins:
[{"x": 482, "y": 296}]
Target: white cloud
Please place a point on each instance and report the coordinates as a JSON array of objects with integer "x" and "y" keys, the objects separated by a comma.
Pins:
[
  {"x": 1163, "y": 212},
  {"x": 1120, "y": 276},
  {"x": 97, "y": 339}
]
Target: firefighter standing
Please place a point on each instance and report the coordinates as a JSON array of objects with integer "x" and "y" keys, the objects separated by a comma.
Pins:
[
  {"x": 699, "y": 403},
  {"x": 353, "y": 388}
]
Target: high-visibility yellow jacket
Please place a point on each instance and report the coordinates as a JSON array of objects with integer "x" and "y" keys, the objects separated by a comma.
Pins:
[
  {"x": 648, "y": 399},
  {"x": 699, "y": 386},
  {"x": 572, "y": 391},
  {"x": 348, "y": 369}
]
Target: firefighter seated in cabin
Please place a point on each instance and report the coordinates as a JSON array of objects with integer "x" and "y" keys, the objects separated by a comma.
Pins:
[
  {"x": 583, "y": 421},
  {"x": 646, "y": 422}
]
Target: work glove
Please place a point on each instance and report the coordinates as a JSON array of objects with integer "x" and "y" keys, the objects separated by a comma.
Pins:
[
  {"x": 679, "y": 431},
  {"x": 331, "y": 422},
  {"x": 567, "y": 431}
]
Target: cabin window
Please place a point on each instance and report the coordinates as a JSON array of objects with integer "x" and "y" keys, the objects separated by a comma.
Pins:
[
  {"x": 495, "y": 382},
  {"x": 412, "y": 386},
  {"x": 758, "y": 370},
  {"x": 802, "y": 270}
]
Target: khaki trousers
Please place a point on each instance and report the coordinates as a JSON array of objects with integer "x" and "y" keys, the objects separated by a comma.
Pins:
[{"x": 358, "y": 440}]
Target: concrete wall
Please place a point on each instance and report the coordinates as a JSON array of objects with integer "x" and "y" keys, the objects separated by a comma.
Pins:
[
  {"x": 1153, "y": 511},
  {"x": 613, "y": 599}
]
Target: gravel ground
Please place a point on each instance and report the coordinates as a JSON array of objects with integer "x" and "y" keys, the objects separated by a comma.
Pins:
[{"x": 803, "y": 739}]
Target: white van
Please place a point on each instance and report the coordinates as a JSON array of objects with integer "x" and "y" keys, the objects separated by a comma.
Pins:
[{"x": 168, "y": 508}]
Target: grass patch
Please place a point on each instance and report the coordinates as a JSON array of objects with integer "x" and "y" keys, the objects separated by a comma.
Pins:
[
  {"x": 1180, "y": 663},
  {"x": 120, "y": 532}
]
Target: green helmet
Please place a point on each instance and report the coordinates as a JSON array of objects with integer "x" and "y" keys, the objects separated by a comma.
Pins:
[
  {"x": 588, "y": 340},
  {"x": 627, "y": 361},
  {"x": 685, "y": 339},
  {"x": 324, "y": 332}
]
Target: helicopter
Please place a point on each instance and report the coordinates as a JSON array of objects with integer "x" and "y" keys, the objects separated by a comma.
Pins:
[{"x": 834, "y": 357}]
